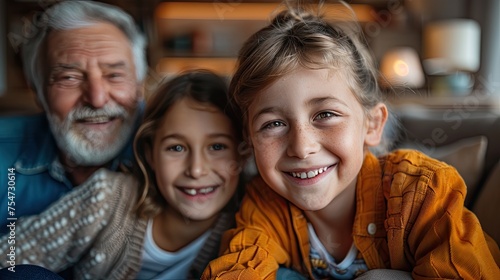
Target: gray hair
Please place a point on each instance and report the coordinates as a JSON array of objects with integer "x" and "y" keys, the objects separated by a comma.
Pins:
[{"x": 70, "y": 15}]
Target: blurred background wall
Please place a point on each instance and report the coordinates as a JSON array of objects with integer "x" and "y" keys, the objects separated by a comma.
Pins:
[{"x": 209, "y": 33}]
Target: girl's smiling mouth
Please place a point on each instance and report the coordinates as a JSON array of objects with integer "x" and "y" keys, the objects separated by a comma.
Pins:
[
  {"x": 309, "y": 174},
  {"x": 198, "y": 191}
]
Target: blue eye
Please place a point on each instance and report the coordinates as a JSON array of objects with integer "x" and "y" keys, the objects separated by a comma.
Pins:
[
  {"x": 218, "y": 147},
  {"x": 176, "y": 148}
]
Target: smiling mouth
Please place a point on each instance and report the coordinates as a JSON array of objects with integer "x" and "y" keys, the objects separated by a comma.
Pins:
[
  {"x": 96, "y": 120},
  {"x": 309, "y": 174},
  {"x": 199, "y": 191}
]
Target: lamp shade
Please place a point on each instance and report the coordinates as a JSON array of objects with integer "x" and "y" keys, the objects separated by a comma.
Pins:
[
  {"x": 401, "y": 67},
  {"x": 451, "y": 45}
]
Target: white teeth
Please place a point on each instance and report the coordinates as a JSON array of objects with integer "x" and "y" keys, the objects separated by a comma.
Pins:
[
  {"x": 190, "y": 191},
  {"x": 207, "y": 190},
  {"x": 194, "y": 192},
  {"x": 309, "y": 174},
  {"x": 101, "y": 119}
]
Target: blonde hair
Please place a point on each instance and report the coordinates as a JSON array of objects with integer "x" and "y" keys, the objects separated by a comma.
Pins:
[{"x": 299, "y": 37}]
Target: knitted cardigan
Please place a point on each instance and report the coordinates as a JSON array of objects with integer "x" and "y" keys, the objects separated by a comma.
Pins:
[{"x": 94, "y": 229}]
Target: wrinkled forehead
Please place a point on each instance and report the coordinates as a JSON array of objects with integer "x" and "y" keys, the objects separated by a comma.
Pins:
[
  {"x": 91, "y": 35},
  {"x": 101, "y": 44}
]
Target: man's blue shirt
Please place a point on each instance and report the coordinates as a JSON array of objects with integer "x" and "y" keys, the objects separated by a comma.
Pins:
[{"x": 28, "y": 148}]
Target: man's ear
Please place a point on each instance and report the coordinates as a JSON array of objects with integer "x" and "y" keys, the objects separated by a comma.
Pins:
[
  {"x": 36, "y": 97},
  {"x": 38, "y": 102},
  {"x": 376, "y": 123},
  {"x": 141, "y": 91}
]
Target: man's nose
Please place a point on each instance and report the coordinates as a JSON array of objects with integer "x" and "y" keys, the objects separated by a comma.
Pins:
[{"x": 97, "y": 92}]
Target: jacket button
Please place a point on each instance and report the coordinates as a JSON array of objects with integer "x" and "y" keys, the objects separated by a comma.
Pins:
[{"x": 372, "y": 229}]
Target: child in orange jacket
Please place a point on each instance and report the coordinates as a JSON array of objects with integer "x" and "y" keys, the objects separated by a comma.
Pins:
[{"x": 324, "y": 205}]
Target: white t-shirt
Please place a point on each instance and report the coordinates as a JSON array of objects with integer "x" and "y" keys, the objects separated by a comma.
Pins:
[
  {"x": 324, "y": 265},
  {"x": 160, "y": 264}
]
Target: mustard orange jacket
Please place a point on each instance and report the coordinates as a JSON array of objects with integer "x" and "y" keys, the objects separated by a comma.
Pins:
[{"x": 409, "y": 216}]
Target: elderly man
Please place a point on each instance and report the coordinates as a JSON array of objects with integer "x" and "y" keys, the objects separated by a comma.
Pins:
[{"x": 87, "y": 66}]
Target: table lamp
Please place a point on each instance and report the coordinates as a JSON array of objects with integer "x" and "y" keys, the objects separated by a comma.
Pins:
[
  {"x": 401, "y": 67},
  {"x": 451, "y": 55}
]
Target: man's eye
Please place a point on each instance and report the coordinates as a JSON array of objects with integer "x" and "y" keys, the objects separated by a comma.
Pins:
[
  {"x": 176, "y": 148},
  {"x": 218, "y": 147},
  {"x": 67, "y": 80},
  {"x": 116, "y": 76}
]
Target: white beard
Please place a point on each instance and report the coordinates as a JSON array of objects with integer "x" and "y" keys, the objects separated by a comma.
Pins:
[{"x": 86, "y": 147}]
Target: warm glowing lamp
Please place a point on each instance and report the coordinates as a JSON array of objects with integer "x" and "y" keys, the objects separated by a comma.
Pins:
[
  {"x": 451, "y": 54},
  {"x": 401, "y": 67}
]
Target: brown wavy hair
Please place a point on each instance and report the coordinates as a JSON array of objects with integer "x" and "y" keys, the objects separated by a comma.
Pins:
[{"x": 200, "y": 85}]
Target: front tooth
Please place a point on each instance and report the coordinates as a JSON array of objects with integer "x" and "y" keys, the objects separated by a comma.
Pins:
[
  {"x": 309, "y": 174},
  {"x": 190, "y": 191}
]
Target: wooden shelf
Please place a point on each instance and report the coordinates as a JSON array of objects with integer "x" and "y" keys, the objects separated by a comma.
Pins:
[
  {"x": 223, "y": 66},
  {"x": 477, "y": 101},
  {"x": 210, "y": 34}
]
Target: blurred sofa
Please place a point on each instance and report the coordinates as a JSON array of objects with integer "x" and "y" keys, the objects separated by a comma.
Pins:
[{"x": 467, "y": 138}]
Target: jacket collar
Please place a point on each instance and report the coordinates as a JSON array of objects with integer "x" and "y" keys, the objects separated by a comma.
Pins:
[{"x": 39, "y": 151}]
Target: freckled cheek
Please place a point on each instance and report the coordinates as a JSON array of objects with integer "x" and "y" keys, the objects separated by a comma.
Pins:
[
  {"x": 268, "y": 152},
  {"x": 347, "y": 146}
]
